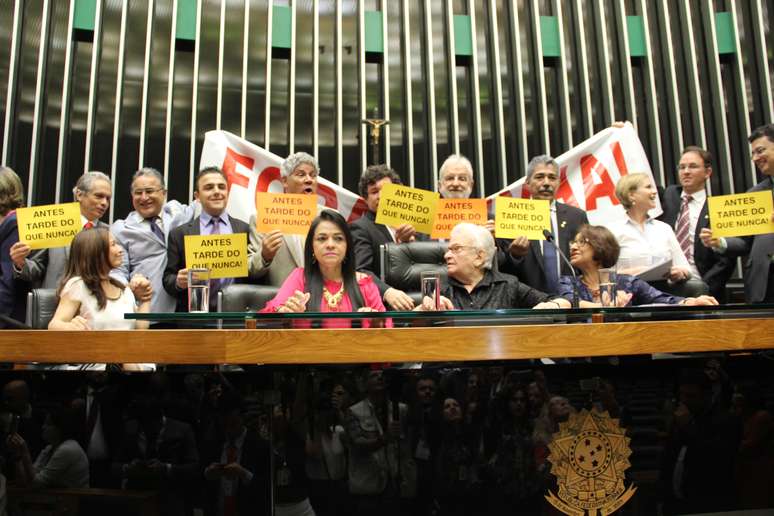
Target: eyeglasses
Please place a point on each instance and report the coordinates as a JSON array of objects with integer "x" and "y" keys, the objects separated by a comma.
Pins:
[
  {"x": 457, "y": 249},
  {"x": 579, "y": 242},
  {"x": 146, "y": 191},
  {"x": 758, "y": 151}
]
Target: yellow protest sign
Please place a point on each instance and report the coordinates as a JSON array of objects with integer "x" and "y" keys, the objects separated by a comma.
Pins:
[
  {"x": 741, "y": 214},
  {"x": 52, "y": 225},
  {"x": 451, "y": 212},
  {"x": 400, "y": 204},
  {"x": 292, "y": 214},
  {"x": 522, "y": 217},
  {"x": 224, "y": 255}
]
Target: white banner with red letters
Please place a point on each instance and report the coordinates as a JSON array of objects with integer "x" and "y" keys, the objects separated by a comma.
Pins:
[
  {"x": 590, "y": 170},
  {"x": 251, "y": 169}
]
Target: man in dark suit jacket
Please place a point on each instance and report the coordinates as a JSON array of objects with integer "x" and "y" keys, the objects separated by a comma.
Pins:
[
  {"x": 236, "y": 465},
  {"x": 694, "y": 169},
  {"x": 525, "y": 258},
  {"x": 759, "y": 266},
  {"x": 212, "y": 192},
  {"x": 45, "y": 267},
  {"x": 367, "y": 235}
]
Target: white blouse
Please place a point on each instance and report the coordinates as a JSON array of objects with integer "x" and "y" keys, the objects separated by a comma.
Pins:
[
  {"x": 109, "y": 318},
  {"x": 656, "y": 243}
]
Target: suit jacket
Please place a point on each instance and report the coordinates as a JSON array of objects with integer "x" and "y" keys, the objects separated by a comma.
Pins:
[
  {"x": 529, "y": 268},
  {"x": 367, "y": 236},
  {"x": 45, "y": 267},
  {"x": 289, "y": 256},
  {"x": 252, "y": 497},
  {"x": 176, "y": 256},
  {"x": 759, "y": 249},
  {"x": 13, "y": 291},
  {"x": 715, "y": 269},
  {"x": 145, "y": 253}
]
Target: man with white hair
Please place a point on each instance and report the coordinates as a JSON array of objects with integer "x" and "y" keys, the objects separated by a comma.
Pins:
[
  {"x": 93, "y": 192},
  {"x": 273, "y": 255},
  {"x": 455, "y": 178},
  {"x": 473, "y": 285}
]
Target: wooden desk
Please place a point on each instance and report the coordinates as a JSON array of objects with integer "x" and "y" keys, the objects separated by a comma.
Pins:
[{"x": 330, "y": 346}]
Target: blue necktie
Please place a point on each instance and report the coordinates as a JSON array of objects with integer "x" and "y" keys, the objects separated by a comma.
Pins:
[
  {"x": 155, "y": 229},
  {"x": 550, "y": 266}
]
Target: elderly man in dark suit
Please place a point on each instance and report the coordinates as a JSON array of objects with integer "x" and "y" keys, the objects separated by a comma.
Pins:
[
  {"x": 45, "y": 267},
  {"x": 685, "y": 209},
  {"x": 759, "y": 265},
  {"x": 367, "y": 235},
  {"x": 536, "y": 262},
  {"x": 212, "y": 192}
]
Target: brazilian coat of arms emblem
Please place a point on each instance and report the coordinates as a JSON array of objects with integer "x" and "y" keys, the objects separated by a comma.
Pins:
[{"x": 588, "y": 456}]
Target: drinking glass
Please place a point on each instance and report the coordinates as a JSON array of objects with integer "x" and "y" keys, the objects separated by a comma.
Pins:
[
  {"x": 431, "y": 287},
  {"x": 199, "y": 290},
  {"x": 607, "y": 280}
]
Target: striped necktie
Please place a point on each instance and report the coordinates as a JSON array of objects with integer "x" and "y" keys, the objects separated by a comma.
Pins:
[{"x": 683, "y": 229}]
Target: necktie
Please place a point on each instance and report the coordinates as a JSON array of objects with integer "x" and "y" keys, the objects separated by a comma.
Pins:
[
  {"x": 89, "y": 224},
  {"x": 229, "y": 495},
  {"x": 154, "y": 226},
  {"x": 215, "y": 284},
  {"x": 550, "y": 265},
  {"x": 683, "y": 229}
]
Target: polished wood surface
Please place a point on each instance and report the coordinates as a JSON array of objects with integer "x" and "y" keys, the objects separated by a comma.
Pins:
[{"x": 328, "y": 346}]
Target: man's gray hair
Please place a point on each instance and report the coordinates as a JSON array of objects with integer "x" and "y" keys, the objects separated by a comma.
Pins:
[
  {"x": 542, "y": 160},
  {"x": 455, "y": 160},
  {"x": 86, "y": 182},
  {"x": 298, "y": 158},
  {"x": 482, "y": 239},
  {"x": 148, "y": 172}
]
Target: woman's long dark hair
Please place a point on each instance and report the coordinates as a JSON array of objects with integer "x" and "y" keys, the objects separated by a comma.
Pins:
[
  {"x": 313, "y": 277},
  {"x": 89, "y": 259}
]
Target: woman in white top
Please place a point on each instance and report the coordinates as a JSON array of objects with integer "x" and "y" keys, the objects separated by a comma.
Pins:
[
  {"x": 91, "y": 299},
  {"x": 641, "y": 236}
]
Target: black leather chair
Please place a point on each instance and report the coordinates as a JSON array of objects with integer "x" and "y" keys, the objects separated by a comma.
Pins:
[
  {"x": 41, "y": 305},
  {"x": 243, "y": 297},
  {"x": 403, "y": 265}
]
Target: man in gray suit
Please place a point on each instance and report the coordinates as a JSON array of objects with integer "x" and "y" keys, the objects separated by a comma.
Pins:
[
  {"x": 759, "y": 266},
  {"x": 143, "y": 234},
  {"x": 273, "y": 256},
  {"x": 45, "y": 267}
]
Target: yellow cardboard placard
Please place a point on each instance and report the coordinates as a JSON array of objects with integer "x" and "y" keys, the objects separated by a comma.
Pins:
[
  {"x": 741, "y": 214},
  {"x": 400, "y": 205},
  {"x": 516, "y": 217},
  {"x": 52, "y": 225},
  {"x": 225, "y": 255},
  {"x": 451, "y": 212},
  {"x": 292, "y": 214}
]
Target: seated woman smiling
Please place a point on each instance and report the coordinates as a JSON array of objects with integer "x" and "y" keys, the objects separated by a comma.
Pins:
[
  {"x": 328, "y": 281},
  {"x": 594, "y": 248},
  {"x": 91, "y": 299}
]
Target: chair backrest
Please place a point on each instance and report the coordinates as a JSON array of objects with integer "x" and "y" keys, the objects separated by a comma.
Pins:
[
  {"x": 41, "y": 305},
  {"x": 243, "y": 297},
  {"x": 403, "y": 264}
]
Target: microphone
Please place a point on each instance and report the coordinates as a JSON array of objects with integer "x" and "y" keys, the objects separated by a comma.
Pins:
[{"x": 575, "y": 294}]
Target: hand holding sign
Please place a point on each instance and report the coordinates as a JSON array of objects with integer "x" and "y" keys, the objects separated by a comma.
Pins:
[
  {"x": 288, "y": 213},
  {"x": 53, "y": 225}
]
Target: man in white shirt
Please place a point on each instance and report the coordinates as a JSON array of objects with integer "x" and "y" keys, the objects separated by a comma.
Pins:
[{"x": 685, "y": 210}]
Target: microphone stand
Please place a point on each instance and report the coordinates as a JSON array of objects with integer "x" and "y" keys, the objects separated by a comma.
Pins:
[{"x": 575, "y": 292}]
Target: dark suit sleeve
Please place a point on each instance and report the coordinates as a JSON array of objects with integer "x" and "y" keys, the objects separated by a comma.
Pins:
[
  {"x": 175, "y": 261},
  {"x": 363, "y": 248}
]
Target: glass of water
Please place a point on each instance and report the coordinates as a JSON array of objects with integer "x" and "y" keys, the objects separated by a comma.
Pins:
[
  {"x": 607, "y": 291},
  {"x": 431, "y": 288},
  {"x": 198, "y": 290}
]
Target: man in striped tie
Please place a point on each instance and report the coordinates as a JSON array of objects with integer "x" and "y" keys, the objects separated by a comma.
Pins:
[{"x": 685, "y": 209}]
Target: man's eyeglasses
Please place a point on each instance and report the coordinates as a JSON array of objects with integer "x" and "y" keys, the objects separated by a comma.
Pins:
[
  {"x": 147, "y": 191},
  {"x": 457, "y": 249}
]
